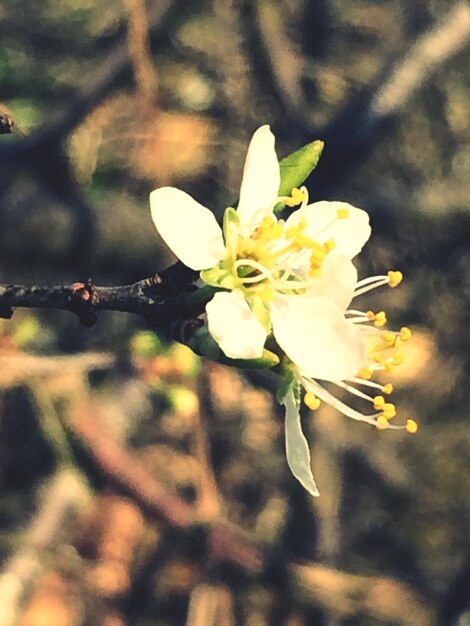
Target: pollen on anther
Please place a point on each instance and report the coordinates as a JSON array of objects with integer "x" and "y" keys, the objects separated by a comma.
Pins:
[
  {"x": 405, "y": 333},
  {"x": 411, "y": 426},
  {"x": 394, "y": 278},
  {"x": 379, "y": 402},
  {"x": 389, "y": 411},
  {"x": 389, "y": 338},
  {"x": 387, "y": 388},
  {"x": 380, "y": 319},
  {"x": 312, "y": 401},
  {"x": 365, "y": 373},
  {"x": 382, "y": 423},
  {"x": 297, "y": 197},
  {"x": 398, "y": 358}
]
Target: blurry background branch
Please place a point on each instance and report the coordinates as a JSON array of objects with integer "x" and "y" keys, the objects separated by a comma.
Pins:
[
  {"x": 63, "y": 496},
  {"x": 342, "y": 594}
]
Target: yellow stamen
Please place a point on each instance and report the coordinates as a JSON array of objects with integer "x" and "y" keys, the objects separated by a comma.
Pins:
[
  {"x": 379, "y": 402},
  {"x": 342, "y": 213},
  {"x": 297, "y": 197},
  {"x": 398, "y": 358},
  {"x": 405, "y": 333},
  {"x": 365, "y": 373},
  {"x": 370, "y": 315},
  {"x": 389, "y": 411},
  {"x": 382, "y": 423},
  {"x": 389, "y": 338},
  {"x": 394, "y": 278},
  {"x": 312, "y": 401},
  {"x": 318, "y": 255},
  {"x": 330, "y": 244},
  {"x": 411, "y": 426},
  {"x": 387, "y": 389},
  {"x": 380, "y": 319}
]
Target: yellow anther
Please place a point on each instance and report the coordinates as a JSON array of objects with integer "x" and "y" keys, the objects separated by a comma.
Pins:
[
  {"x": 387, "y": 389},
  {"x": 292, "y": 232},
  {"x": 370, "y": 315},
  {"x": 297, "y": 197},
  {"x": 389, "y": 338},
  {"x": 342, "y": 213},
  {"x": 330, "y": 244},
  {"x": 365, "y": 373},
  {"x": 312, "y": 401},
  {"x": 394, "y": 278},
  {"x": 318, "y": 254},
  {"x": 389, "y": 410},
  {"x": 314, "y": 272},
  {"x": 305, "y": 241},
  {"x": 411, "y": 426},
  {"x": 379, "y": 402},
  {"x": 267, "y": 221},
  {"x": 380, "y": 319},
  {"x": 398, "y": 358},
  {"x": 382, "y": 423},
  {"x": 405, "y": 333}
]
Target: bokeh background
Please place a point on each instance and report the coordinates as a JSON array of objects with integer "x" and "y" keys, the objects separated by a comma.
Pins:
[{"x": 142, "y": 486}]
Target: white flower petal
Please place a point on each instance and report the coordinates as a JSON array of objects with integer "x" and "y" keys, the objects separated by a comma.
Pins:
[
  {"x": 261, "y": 178},
  {"x": 297, "y": 450},
  {"x": 234, "y": 326},
  {"x": 187, "y": 227},
  {"x": 337, "y": 281},
  {"x": 350, "y": 234},
  {"x": 315, "y": 335}
]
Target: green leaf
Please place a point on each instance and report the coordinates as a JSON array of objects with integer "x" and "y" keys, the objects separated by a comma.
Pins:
[
  {"x": 203, "y": 343},
  {"x": 296, "y": 167}
]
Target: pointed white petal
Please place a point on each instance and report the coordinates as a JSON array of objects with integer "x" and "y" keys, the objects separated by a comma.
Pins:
[
  {"x": 187, "y": 227},
  {"x": 297, "y": 450},
  {"x": 315, "y": 335},
  {"x": 261, "y": 178},
  {"x": 350, "y": 234},
  {"x": 337, "y": 281},
  {"x": 234, "y": 326}
]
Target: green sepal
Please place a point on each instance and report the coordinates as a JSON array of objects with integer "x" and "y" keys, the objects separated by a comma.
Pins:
[
  {"x": 231, "y": 230},
  {"x": 204, "y": 344},
  {"x": 260, "y": 309},
  {"x": 218, "y": 276},
  {"x": 296, "y": 167},
  {"x": 289, "y": 383}
]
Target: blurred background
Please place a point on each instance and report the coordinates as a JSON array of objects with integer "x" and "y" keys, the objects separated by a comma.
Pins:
[{"x": 142, "y": 486}]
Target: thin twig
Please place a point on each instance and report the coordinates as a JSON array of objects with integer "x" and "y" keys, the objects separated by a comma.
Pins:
[{"x": 157, "y": 298}]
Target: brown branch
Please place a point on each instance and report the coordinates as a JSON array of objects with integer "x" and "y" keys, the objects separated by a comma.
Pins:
[{"x": 158, "y": 298}]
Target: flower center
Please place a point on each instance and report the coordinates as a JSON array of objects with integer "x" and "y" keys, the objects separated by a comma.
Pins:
[{"x": 284, "y": 259}]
